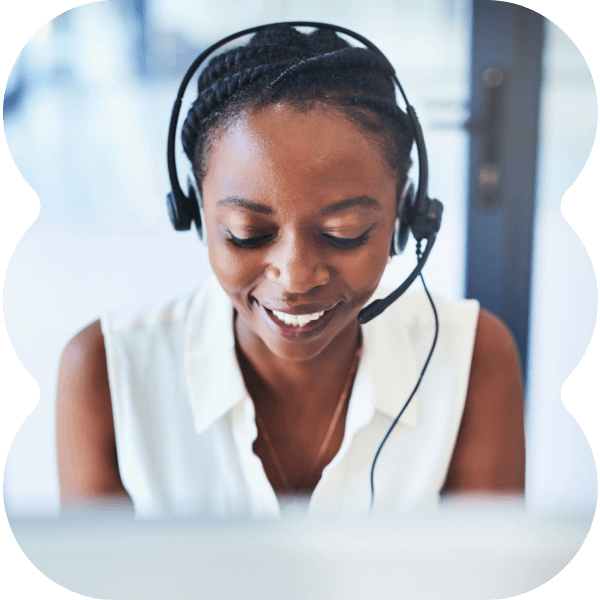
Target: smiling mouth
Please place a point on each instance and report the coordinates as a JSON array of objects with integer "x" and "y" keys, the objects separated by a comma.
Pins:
[
  {"x": 298, "y": 324},
  {"x": 297, "y": 320}
]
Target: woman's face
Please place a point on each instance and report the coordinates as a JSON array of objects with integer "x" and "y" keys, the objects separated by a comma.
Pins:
[{"x": 299, "y": 212}]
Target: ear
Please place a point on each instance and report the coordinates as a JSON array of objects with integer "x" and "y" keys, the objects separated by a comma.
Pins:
[
  {"x": 405, "y": 200},
  {"x": 404, "y": 210},
  {"x": 193, "y": 191}
]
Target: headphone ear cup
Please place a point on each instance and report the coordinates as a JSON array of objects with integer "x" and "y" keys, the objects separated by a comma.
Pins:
[
  {"x": 180, "y": 219},
  {"x": 402, "y": 229}
]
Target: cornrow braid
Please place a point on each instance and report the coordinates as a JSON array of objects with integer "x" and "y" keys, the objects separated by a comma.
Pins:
[
  {"x": 281, "y": 64},
  {"x": 222, "y": 65},
  {"x": 346, "y": 58},
  {"x": 307, "y": 64}
]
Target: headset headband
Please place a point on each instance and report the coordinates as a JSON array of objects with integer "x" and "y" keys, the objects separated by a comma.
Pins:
[
  {"x": 421, "y": 194},
  {"x": 426, "y": 217}
]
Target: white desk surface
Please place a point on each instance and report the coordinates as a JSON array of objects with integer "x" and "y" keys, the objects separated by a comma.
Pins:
[{"x": 468, "y": 551}]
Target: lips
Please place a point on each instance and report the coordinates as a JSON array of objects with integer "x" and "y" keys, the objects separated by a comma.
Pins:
[{"x": 298, "y": 321}]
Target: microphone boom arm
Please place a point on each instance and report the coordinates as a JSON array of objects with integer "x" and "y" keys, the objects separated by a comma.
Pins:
[{"x": 378, "y": 306}]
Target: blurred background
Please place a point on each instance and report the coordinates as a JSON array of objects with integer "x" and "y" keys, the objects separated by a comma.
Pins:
[{"x": 509, "y": 114}]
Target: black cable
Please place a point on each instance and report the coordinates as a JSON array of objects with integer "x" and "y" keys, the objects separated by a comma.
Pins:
[{"x": 389, "y": 431}]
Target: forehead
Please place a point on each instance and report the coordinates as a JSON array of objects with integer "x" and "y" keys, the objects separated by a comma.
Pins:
[{"x": 282, "y": 149}]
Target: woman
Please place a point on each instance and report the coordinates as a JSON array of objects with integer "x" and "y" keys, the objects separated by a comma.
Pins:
[{"x": 264, "y": 383}]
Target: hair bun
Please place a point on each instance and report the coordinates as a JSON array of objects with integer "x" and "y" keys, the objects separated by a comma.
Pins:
[
  {"x": 327, "y": 40},
  {"x": 283, "y": 35},
  {"x": 317, "y": 42}
]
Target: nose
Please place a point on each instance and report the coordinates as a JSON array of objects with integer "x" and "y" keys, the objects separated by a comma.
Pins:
[{"x": 297, "y": 265}]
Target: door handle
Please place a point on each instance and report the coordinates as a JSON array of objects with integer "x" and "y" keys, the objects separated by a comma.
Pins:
[{"x": 488, "y": 127}]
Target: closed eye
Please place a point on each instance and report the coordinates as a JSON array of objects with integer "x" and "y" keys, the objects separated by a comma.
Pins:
[
  {"x": 332, "y": 240},
  {"x": 247, "y": 242},
  {"x": 347, "y": 242}
]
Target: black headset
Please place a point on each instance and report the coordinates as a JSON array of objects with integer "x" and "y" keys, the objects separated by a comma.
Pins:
[{"x": 421, "y": 215}]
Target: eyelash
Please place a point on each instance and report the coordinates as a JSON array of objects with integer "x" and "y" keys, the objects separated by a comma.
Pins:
[{"x": 336, "y": 242}]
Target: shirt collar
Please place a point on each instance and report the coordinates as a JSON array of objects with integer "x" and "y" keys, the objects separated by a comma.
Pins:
[
  {"x": 389, "y": 362},
  {"x": 215, "y": 383}
]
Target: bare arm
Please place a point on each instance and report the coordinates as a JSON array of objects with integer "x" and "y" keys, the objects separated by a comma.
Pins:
[
  {"x": 489, "y": 455},
  {"x": 85, "y": 436}
]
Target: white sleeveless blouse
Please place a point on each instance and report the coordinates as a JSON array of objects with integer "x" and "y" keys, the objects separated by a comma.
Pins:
[{"x": 185, "y": 424}]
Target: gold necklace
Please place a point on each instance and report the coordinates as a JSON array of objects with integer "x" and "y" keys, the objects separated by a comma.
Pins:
[{"x": 328, "y": 435}]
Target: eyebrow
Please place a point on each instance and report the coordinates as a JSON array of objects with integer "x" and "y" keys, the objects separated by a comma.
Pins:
[{"x": 358, "y": 201}]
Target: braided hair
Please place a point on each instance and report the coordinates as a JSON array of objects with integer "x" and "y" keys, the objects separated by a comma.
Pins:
[{"x": 281, "y": 64}]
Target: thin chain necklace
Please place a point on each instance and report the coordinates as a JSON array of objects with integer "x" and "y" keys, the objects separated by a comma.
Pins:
[{"x": 328, "y": 436}]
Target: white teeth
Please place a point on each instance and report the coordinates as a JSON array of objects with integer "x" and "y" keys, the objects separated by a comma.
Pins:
[{"x": 297, "y": 320}]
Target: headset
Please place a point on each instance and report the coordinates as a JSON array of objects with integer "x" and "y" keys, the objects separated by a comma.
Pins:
[{"x": 421, "y": 216}]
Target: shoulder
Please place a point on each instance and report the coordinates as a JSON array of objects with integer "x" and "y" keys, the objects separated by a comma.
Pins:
[
  {"x": 495, "y": 380},
  {"x": 82, "y": 375},
  {"x": 83, "y": 379},
  {"x": 85, "y": 437},
  {"x": 494, "y": 340},
  {"x": 84, "y": 352},
  {"x": 490, "y": 450},
  {"x": 495, "y": 364}
]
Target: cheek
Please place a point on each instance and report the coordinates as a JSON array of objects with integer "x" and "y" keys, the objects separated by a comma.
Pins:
[
  {"x": 367, "y": 273},
  {"x": 235, "y": 270},
  {"x": 362, "y": 271}
]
